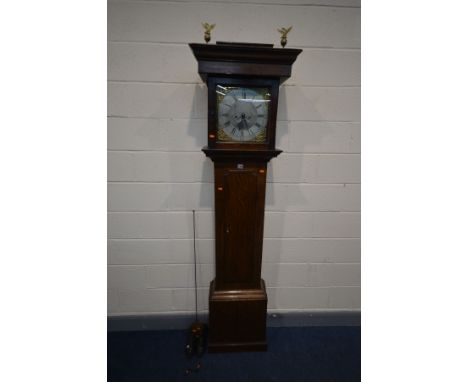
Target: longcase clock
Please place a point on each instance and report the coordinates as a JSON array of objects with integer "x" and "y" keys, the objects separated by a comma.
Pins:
[{"x": 243, "y": 82}]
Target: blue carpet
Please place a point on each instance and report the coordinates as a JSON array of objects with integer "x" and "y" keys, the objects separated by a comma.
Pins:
[{"x": 322, "y": 354}]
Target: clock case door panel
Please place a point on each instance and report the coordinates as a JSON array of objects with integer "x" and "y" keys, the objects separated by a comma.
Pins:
[
  {"x": 271, "y": 83},
  {"x": 239, "y": 204}
]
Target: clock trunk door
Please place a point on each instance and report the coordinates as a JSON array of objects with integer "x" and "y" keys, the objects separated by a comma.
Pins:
[{"x": 239, "y": 223}]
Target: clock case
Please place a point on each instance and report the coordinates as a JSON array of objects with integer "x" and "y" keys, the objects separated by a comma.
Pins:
[{"x": 238, "y": 299}]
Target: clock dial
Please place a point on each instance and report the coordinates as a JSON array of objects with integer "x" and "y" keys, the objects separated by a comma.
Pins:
[{"x": 242, "y": 114}]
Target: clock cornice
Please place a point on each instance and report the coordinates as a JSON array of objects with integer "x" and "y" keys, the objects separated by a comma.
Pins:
[{"x": 244, "y": 59}]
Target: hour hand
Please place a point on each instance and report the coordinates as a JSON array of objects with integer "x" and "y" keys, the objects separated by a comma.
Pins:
[{"x": 242, "y": 124}]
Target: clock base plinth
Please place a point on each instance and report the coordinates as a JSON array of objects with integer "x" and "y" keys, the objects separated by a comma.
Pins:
[{"x": 237, "y": 320}]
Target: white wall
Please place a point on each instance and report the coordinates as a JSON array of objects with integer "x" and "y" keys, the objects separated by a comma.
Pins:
[{"x": 157, "y": 173}]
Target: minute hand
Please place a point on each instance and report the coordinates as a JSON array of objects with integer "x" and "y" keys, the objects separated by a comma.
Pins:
[{"x": 243, "y": 124}]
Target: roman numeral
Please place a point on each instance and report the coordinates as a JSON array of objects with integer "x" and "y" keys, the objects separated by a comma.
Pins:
[{"x": 258, "y": 105}]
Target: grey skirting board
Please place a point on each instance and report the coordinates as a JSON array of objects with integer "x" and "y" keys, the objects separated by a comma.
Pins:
[{"x": 184, "y": 320}]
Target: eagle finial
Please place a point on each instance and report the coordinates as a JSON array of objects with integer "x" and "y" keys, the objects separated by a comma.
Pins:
[
  {"x": 284, "y": 33},
  {"x": 208, "y": 28}
]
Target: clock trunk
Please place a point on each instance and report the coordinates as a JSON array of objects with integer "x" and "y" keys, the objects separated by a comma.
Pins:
[
  {"x": 239, "y": 201},
  {"x": 237, "y": 295}
]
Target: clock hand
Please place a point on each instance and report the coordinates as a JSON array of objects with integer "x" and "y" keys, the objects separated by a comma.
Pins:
[{"x": 243, "y": 124}]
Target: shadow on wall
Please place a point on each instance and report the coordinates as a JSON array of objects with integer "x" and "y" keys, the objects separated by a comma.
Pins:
[
  {"x": 199, "y": 109},
  {"x": 292, "y": 155},
  {"x": 198, "y": 132}
]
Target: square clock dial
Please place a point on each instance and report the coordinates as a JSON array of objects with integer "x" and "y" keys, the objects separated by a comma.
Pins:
[{"x": 242, "y": 114}]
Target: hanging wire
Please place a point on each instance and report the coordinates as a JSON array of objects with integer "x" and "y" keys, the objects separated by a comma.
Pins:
[{"x": 195, "y": 265}]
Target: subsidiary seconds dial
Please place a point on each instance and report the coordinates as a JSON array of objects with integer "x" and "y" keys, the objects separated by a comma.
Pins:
[{"x": 242, "y": 114}]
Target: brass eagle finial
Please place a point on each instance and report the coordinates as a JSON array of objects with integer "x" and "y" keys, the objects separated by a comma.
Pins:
[
  {"x": 208, "y": 28},
  {"x": 284, "y": 32}
]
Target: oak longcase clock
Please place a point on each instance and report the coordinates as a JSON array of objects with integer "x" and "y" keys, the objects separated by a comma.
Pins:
[{"x": 243, "y": 82}]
